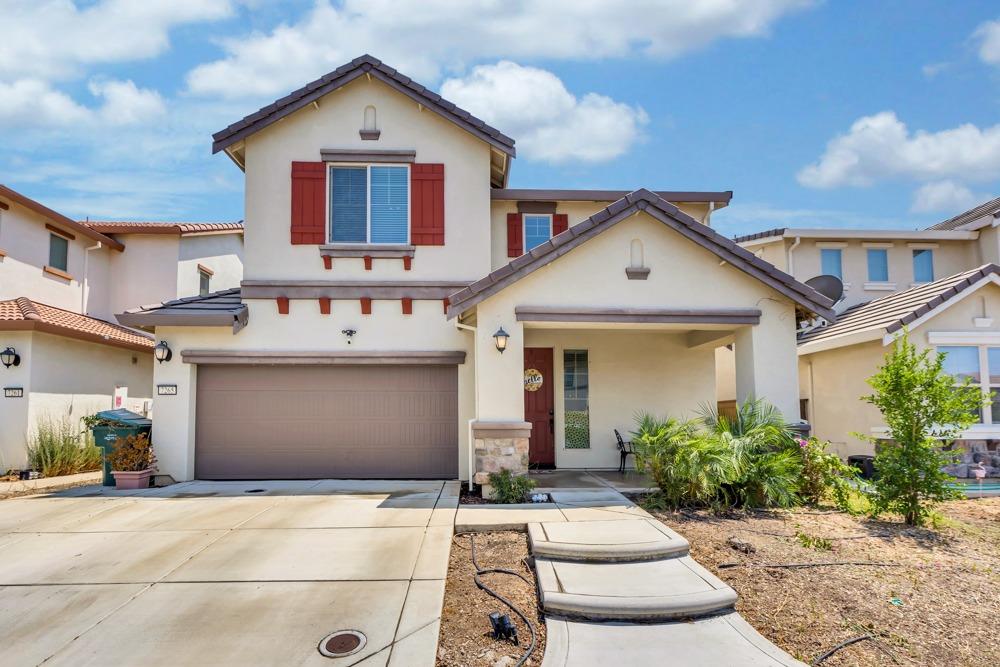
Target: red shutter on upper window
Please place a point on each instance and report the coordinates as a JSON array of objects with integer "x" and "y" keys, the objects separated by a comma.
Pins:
[
  {"x": 515, "y": 242},
  {"x": 427, "y": 204},
  {"x": 308, "y": 203},
  {"x": 560, "y": 223}
]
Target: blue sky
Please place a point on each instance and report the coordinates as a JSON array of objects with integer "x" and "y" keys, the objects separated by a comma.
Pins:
[{"x": 825, "y": 114}]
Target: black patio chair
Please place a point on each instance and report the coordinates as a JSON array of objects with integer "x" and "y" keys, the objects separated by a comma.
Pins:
[{"x": 624, "y": 448}]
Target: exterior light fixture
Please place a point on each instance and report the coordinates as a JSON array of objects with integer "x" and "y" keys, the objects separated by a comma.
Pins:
[
  {"x": 350, "y": 333},
  {"x": 501, "y": 337},
  {"x": 10, "y": 357},
  {"x": 162, "y": 352}
]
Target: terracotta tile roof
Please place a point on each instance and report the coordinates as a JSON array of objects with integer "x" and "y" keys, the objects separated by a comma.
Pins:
[
  {"x": 992, "y": 207},
  {"x": 24, "y": 314},
  {"x": 223, "y": 308},
  {"x": 343, "y": 75},
  {"x": 150, "y": 227},
  {"x": 891, "y": 313},
  {"x": 669, "y": 215}
]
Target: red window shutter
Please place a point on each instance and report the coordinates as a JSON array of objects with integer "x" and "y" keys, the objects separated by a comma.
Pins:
[
  {"x": 560, "y": 223},
  {"x": 308, "y": 203},
  {"x": 515, "y": 241},
  {"x": 427, "y": 204}
]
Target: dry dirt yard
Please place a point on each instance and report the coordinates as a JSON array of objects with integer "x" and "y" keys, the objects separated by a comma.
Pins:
[
  {"x": 465, "y": 639},
  {"x": 938, "y": 605}
]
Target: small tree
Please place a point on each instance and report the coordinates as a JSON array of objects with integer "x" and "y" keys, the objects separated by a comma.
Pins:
[{"x": 923, "y": 407}]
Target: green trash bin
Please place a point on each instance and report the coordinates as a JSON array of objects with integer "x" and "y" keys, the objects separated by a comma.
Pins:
[{"x": 117, "y": 424}]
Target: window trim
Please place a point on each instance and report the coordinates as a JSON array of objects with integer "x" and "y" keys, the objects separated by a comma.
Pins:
[
  {"x": 50, "y": 263},
  {"x": 565, "y": 411},
  {"x": 840, "y": 261},
  {"x": 985, "y": 386},
  {"x": 205, "y": 274},
  {"x": 368, "y": 203},
  {"x": 524, "y": 228},
  {"x": 913, "y": 253}
]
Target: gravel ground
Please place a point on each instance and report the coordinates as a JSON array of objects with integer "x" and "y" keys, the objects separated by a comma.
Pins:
[
  {"x": 939, "y": 606},
  {"x": 466, "y": 639}
]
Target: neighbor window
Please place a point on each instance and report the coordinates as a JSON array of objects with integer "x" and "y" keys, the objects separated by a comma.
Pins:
[
  {"x": 878, "y": 265},
  {"x": 923, "y": 265},
  {"x": 537, "y": 230},
  {"x": 58, "y": 252},
  {"x": 576, "y": 399},
  {"x": 831, "y": 262},
  {"x": 370, "y": 204},
  {"x": 981, "y": 364},
  {"x": 204, "y": 283}
]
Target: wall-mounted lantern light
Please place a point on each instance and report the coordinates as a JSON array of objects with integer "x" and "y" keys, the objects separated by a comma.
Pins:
[
  {"x": 501, "y": 337},
  {"x": 350, "y": 333},
  {"x": 162, "y": 352},
  {"x": 10, "y": 357}
]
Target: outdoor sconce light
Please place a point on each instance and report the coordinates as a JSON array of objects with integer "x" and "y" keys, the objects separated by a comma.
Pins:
[
  {"x": 350, "y": 333},
  {"x": 162, "y": 352},
  {"x": 10, "y": 357},
  {"x": 501, "y": 337}
]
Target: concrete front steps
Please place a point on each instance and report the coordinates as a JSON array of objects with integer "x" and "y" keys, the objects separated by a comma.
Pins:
[{"x": 625, "y": 570}]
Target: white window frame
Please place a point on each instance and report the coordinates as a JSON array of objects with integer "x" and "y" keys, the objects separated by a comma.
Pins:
[
  {"x": 524, "y": 227},
  {"x": 985, "y": 412},
  {"x": 368, "y": 201},
  {"x": 208, "y": 277}
]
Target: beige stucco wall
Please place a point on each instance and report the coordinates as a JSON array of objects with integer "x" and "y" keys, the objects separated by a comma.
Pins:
[
  {"x": 222, "y": 253},
  {"x": 629, "y": 372},
  {"x": 335, "y": 124},
  {"x": 576, "y": 212},
  {"x": 25, "y": 240},
  {"x": 305, "y": 329},
  {"x": 145, "y": 273},
  {"x": 64, "y": 378},
  {"x": 834, "y": 380}
]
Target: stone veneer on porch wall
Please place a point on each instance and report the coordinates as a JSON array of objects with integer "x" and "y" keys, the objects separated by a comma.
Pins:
[{"x": 498, "y": 446}]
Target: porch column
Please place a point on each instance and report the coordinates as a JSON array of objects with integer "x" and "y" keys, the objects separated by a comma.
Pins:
[
  {"x": 174, "y": 415},
  {"x": 500, "y": 434},
  {"x": 767, "y": 361}
]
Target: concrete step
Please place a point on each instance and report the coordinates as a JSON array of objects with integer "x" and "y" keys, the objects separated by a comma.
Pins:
[
  {"x": 605, "y": 541},
  {"x": 646, "y": 590},
  {"x": 725, "y": 639}
]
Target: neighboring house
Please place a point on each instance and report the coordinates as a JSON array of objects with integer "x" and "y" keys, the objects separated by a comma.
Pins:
[
  {"x": 61, "y": 280},
  {"x": 403, "y": 314},
  {"x": 921, "y": 279}
]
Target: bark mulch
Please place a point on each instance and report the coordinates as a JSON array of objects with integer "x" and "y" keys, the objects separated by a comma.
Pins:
[
  {"x": 466, "y": 638},
  {"x": 936, "y": 601}
]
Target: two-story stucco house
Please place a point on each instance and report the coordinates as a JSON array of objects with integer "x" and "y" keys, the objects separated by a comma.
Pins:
[
  {"x": 403, "y": 314},
  {"x": 940, "y": 284},
  {"x": 61, "y": 280}
]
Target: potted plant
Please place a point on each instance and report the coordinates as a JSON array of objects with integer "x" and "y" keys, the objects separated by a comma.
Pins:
[{"x": 132, "y": 461}]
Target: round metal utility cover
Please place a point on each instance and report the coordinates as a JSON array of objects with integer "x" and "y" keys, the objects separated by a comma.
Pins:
[{"x": 342, "y": 642}]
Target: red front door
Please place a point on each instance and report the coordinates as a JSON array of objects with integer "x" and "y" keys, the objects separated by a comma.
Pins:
[{"x": 539, "y": 405}]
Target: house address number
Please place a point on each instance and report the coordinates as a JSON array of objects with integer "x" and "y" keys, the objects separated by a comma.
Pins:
[
  {"x": 13, "y": 392},
  {"x": 166, "y": 389}
]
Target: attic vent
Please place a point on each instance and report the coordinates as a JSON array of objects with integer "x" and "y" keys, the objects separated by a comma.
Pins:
[{"x": 369, "y": 126}]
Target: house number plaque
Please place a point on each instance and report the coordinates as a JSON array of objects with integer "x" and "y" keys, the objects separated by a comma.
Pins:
[
  {"x": 166, "y": 390},
  {"x": 13, "y": 392},
  {"x": 533, "y": 379}
]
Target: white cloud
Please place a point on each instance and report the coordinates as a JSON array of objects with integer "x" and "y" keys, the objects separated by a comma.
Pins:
[
  {"x": 422, "y": 36},
  {"x": 943, "y": 197},
  {"x": 549, "y": 122},
  {"x": 931, "y": 70},
  {"x": 988, "y": 36},
  {"x": 32, "y": 103},
  {"x": 881, "y": 147},
  {"x": 51, "y": 39}
]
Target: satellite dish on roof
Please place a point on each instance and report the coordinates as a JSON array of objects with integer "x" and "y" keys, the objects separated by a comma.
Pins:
[{"x": 829, "y": 286}]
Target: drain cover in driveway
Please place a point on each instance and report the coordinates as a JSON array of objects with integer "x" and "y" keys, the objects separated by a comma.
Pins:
[{"x": 341, "y": 643}]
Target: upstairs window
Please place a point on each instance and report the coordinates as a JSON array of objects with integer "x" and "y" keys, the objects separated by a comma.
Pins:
[
  {"x": 537, "y": 230},
  {"x": 58, "y": 252},
  {"x": 370, "y": 204},
  {"x": 831, "y": 262},
  {"x": 204, "y": 283},
  {"x": 878, "y": 265},
  {"x": 923, "y": 265}
]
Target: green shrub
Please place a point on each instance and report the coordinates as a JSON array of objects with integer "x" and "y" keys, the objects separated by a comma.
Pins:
[
  {"x": 509, "y": 488},
  {"x": 825, "y": 477},
  {"x": 924, "y": 408},
  {"x": 57, "y": 448}
]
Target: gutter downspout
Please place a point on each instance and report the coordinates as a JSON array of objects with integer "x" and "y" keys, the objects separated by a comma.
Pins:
[
  {"x": 791, "y": 260},
  {"x": 86, "y": 281},
  {"x": 475, "y": 410},
  {"x": 707, "y": 219}
]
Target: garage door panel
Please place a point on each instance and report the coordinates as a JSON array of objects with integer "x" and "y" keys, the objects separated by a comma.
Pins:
[{"x": 342, "y": 421}]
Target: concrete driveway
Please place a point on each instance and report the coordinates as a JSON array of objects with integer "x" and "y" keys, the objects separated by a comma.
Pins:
[{"x": 225, "y": 573}]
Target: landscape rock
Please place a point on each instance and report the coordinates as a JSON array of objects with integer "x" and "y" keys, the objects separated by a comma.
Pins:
[{"x": 741, "y": 545}]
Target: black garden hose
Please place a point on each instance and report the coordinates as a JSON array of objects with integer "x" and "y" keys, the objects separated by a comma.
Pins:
[{"x": 499, "y": 570}]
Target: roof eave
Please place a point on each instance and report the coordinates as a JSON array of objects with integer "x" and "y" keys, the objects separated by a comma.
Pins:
[{"x": 59, "y": 218}]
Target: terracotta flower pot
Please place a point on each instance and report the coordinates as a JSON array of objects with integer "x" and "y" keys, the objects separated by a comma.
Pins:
[{"x": 132, "y": 479}]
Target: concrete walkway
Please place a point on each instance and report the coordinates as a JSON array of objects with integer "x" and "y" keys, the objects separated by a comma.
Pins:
[{"x": 225, "y": 573}]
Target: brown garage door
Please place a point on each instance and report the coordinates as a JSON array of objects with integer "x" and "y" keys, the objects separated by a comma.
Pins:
[{"x": 283, "y": 422}]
